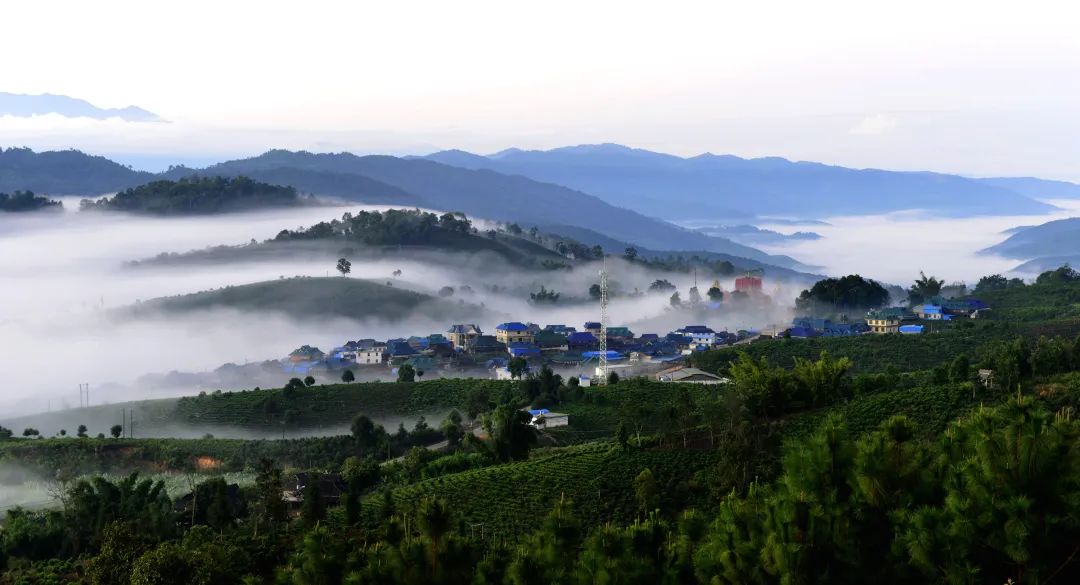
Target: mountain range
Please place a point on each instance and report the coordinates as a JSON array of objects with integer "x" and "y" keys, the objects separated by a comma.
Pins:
[
  {"x": 385, "y": 180},
  {"x": 1042, "y": 247},
  {"x": 725, "y": 186},
  {"x": 619, "y": 193},
  {"x": 24, "y": 105}
]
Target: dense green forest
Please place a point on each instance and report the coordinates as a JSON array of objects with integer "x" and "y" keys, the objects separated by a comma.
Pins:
[
  {"x": 26, "y": 201},
  {"x": 197, "y": 196}
]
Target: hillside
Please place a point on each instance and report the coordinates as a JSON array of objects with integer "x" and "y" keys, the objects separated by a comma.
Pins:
[
  {"x": 395, "y": 233},
  {"x": 64, "y": 172},
  {"x": 616, "y": 247},
  {"x": 1048, "y": 239},
  {"x": 197, "y": 196},
  {"x": 312, "y": 297},
  {"x": 676, "y": 188},
  {"x": 1036, "y": 188},
  {"x": 492, "y": 195},
  {"x": 383, "y": 180}
]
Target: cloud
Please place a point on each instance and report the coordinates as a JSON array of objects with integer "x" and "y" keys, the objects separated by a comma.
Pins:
[{"x": 875, "y": 125}]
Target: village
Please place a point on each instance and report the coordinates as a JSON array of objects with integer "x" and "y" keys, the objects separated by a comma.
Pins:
[{"x": 517, "y": 348}]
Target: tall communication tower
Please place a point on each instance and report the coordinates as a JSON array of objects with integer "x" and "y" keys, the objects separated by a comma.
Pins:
[{"x": 602, "y": 366}]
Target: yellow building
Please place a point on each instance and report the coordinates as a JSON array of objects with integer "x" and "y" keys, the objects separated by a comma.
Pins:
[
  {"x": 881, "y": 322},
  {"x": 513, "y": 332}
]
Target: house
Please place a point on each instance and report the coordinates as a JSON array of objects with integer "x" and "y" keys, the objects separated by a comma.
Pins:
[
  {"x": 487, "y": 345},
  {"x": 372, "y": 355},
  {"x": 306, "y": 353},
  {"x": 802, "y": 333},
  {"x": 439, "y": 346},
  {"x": 593, "y": 327},
  {"x": 343, "y": 355},
  {"x": 698, "y": 334},
  {"x": 513, "y": 332},
  {"x": 463, "y": 335},
  {"x": 399, "y": 350},
  {"x": 548, "y": 340},
  {"x": 932, "y": 312},
  {"x": 523, "y": 350},
  {"x": 620, "y": 334},
  {"x": 749, "y": 284},
  {"x": 331, "y": 489},
  {"x": 582, "y": 340},
  {"x": 883, "y": 321},
  {"x": 689, "y": 375},
  {"x": 560, "y": 329}
]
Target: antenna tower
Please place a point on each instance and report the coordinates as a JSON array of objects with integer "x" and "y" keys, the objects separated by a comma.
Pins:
[{"x": 602, "y": 367}]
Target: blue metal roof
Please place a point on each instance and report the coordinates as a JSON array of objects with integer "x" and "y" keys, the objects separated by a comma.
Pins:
[
  {"x": 611, "y": 354},
  {"x": 512, "y": 326},
  {"x": 911, "y": 329}
]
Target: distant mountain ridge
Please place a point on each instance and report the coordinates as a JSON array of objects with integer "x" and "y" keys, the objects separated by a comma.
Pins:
[
  {"x": 376, "y": 179},
  {"x": 727, "y": 186},
  {"x": 1053, "y": 239},
  {"x": 25, "y": 105}
]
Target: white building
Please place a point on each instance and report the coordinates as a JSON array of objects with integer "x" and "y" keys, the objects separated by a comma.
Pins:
[{"x": 370, "y": 356}]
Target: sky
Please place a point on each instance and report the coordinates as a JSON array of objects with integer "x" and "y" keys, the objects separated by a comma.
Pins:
[{"x": 976, "y": 88}]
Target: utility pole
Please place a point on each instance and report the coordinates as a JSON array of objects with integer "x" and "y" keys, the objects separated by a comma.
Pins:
[{"x": 602, "y": 367}]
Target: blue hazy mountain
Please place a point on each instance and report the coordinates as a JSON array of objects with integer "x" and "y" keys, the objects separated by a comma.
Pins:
[
  {"x": 1053, "y": 239},
  {"x": 64, "y": 172},
  {"x": 725, "y": 186},
  {"x": 480, "y": 193},
  {"x": 24, "y": 105},
  {"x": 382, "y": 180},
  {"x": 1036, "y": 188}
]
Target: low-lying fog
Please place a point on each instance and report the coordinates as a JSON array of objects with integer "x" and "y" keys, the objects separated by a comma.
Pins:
[
  {"x": 64, "y": 272},
  {"x": 894, "y": 248}
]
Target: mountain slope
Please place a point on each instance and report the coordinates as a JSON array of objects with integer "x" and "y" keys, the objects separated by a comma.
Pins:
[
  {"x": 677, "y": 188},
  {"x": 64, "y": 172},
  {"x": 1050, "y": 239},
  {"x": 313, "y": 298},
  {"x": 617, "y": 247},
  {"x": 1036, "y": 188},
  {"x": 492, "y": 195}
]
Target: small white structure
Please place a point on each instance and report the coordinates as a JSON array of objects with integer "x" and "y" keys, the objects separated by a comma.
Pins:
[
  {"x": 689, "y": 376},
  {"x": 545, "y": 419}
]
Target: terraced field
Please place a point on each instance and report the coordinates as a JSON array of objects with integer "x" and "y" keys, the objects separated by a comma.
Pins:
[{"x": 598, "y": 478}]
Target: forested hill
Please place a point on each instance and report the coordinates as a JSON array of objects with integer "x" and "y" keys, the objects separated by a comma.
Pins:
[
  {"x": 197, "y": 196},
  {"x": 314, "y": 298},
  {"x": 1049, "y": 239},
  {"x": 64, "y": 172},
  {"x": 386, "y": 180},
  {"x": 26, "y": 201},
  {"x": 677, "y": 188},
  {"x": 483, "y": 193}
]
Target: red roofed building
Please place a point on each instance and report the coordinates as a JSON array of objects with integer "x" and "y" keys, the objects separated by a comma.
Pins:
[{"x": 748, "y": 284}]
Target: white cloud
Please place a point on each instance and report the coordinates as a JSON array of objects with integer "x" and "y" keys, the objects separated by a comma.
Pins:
[{"x": 874, "y": 125}]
